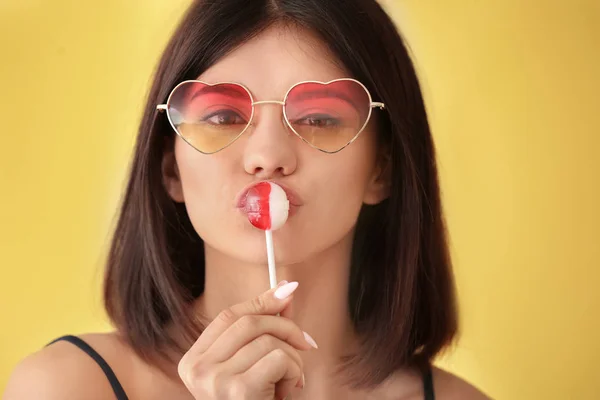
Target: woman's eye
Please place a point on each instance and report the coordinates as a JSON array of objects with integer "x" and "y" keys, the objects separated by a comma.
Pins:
[
  {"x": 224, "y": 117},
  {"x": 319, "y": 121}
]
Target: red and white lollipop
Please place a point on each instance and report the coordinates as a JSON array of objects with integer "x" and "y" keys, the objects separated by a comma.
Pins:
[{"x": 267, "y": 208}]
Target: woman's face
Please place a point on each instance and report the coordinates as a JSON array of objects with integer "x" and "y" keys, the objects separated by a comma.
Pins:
[{"x": 330, "y": 188}]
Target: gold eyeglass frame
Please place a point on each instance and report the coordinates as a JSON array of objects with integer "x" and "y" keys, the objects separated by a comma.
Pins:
[{"x": 372, "y": 104}]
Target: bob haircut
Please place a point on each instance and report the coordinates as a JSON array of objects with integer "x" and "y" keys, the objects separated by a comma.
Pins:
[{"x": 401, "y": 292}]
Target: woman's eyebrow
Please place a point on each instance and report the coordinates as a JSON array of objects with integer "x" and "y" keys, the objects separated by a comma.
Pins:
[
  {"x": 324, "y": 92},
  {"x": 221, "y": 89}
]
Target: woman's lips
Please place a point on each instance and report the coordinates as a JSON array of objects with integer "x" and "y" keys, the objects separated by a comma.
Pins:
[{"x": 293, "y": 197}]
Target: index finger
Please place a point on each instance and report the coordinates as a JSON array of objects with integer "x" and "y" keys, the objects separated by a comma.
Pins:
[{"x": 271, "y": 302}]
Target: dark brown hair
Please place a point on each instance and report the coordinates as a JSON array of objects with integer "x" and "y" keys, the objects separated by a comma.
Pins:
[{"x": 401, "y": 294}]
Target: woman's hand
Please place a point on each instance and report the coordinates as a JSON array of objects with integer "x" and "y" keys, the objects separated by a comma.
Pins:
[{"x": 247, "y": 352}]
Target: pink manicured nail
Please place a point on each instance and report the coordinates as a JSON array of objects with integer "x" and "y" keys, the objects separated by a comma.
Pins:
[
  {"x": 310, "y": 340},
  {"x": 302, "y": 382},
  {"x": 286, "y": 290},
  {"x": 282, "y": 283}
]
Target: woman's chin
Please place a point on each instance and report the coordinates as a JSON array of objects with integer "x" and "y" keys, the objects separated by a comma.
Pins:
[
  {"x": 253, "y": 251},
  {"x": 248, "y": 245},
  {"x": 253, "y": 255}
]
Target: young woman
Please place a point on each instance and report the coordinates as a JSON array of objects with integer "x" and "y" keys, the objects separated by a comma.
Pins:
[{"x": 321, "y": 98}]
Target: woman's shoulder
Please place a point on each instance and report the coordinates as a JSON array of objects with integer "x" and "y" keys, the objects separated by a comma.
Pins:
[
  {"x": 62, "y": 370},
  {"x": 448, "y": 386},
  {"x": 409, "y": 385}
]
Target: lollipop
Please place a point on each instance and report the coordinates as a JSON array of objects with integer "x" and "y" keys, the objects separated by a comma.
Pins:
[{"x": 267, "y": 208}]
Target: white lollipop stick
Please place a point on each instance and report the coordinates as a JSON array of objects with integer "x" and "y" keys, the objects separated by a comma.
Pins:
[{"x": 271, "y": 258}]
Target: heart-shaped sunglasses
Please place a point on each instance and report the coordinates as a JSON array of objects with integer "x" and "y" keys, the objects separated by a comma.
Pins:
[{"x": 326, "y": 115}]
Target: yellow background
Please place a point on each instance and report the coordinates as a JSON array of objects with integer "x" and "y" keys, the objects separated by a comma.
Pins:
[{"x": 513, "y": 92}]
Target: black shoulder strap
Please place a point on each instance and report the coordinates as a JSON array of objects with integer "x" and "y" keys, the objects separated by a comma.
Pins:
[
  {"x": 110, "y": 375},
  {"x": 428, "y": 385}
]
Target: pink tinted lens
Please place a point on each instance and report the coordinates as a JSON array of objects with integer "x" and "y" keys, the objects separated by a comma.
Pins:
[
  {"x": 209, "y": 117},
  {"x": 328, "y": 116}
]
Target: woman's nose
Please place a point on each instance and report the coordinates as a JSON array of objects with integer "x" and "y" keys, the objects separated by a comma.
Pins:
[{"x": 270, "y": 148}]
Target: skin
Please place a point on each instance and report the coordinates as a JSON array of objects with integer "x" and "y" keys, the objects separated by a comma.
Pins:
[{"x": 313, "y": 248}]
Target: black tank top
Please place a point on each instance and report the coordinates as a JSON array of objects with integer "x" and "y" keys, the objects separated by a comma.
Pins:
[{"x": 120, "y": 392}]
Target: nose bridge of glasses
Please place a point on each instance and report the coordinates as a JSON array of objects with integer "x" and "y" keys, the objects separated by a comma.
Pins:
[
  {"x": 256, "y": 103},
  {"x": 275, "y": 102}
]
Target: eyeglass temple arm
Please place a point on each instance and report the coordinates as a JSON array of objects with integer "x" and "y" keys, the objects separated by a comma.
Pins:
[
  {"x": 161, "y": 107},
  {"x": 377, "y": 104}
]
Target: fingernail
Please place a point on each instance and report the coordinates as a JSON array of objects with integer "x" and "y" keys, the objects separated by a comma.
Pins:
[
  {"x": 282, "y": 283},
  {"x": 302, "y": 382},
  {"x": 310, "y": 340},
  {"x": 286, "y": 290}
]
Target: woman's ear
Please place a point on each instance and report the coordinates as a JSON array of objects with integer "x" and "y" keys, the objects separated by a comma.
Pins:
[
  {"x": 170, "y": 173},
  {"x": 379, "y": 186}
]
